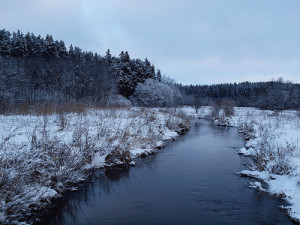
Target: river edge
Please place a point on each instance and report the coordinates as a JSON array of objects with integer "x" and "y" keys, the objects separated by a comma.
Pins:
[
  {"x": 55, "y": 205},
  {"x": 266, "y": 132},
  {"x": 142, "y": 131}
]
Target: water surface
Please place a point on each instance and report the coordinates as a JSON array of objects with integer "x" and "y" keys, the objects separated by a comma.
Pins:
[{"x": 191, "y": 181}]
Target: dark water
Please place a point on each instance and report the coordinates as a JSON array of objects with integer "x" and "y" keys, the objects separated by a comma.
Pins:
[{"x": 191, "y": 181}]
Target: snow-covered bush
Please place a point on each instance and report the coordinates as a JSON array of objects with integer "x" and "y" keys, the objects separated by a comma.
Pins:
[{"x": 154, "y": 93}]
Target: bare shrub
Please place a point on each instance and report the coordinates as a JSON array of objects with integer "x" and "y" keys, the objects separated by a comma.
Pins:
[
  {"x": 273, "y": 157},
  {"x": 151, "y": 117},
  {"x": 221, "y": 109},
  {"x": 247, "y": 128},
  {"x": 118, "y": 156},
  {"x": 82, "y": 143},
  {"x": 197, "y": 104},
  {"x": 228, "y": 108},
  {"x": 172, "y": 123},
  {"x": 62, "y": 120},
  {"x": 282, "y": 165},
  {"x": 215, "y": 109}
]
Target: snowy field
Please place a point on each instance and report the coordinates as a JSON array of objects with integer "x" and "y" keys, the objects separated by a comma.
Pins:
[
  {"x": 272, "y": 139},
  {"x": 42, "y": 156}
]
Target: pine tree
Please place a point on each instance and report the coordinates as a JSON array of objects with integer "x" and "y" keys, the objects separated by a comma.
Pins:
[
  {"x": 50, "y": 47},
  {"x": 71, "y": 52},
  {"x": 78, "y": 53},
  {"x": 108, "y": 55},
  {"x": 40, "y": 46},
  {"x": 19, "y": 48},
  {"x": 61, "y": 49},
  {"x": 158, "y": 75},
  {"x": 5, "y": 42}
]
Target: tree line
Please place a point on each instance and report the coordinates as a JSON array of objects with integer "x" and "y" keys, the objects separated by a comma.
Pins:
[
  {"x": 36, "y": 70},
  {"x": 274, "y": 95}
]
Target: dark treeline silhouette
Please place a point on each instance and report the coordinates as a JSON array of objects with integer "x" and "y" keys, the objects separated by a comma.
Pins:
[
  {"x": 38, "y": 70},
  {"x": 274, "y": 95}
]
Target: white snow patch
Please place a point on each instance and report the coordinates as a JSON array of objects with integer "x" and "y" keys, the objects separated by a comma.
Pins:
[
  {"x": 256, "y": 185},
  {"x": 2, "y": 216}
]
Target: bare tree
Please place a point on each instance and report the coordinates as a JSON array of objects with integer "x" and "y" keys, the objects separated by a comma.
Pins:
[{"x": 228, "y": 108}]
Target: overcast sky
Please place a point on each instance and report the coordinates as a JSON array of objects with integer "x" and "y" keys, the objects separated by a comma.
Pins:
[{"x": 192, "y": 41}]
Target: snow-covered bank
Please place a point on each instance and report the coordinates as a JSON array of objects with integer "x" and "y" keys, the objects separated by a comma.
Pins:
[
  {"x": 272, "y": 140},
  {"x": 42, "y": 156}
]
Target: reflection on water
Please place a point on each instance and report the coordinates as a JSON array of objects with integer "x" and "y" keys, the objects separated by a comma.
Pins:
[
  {"x": 191, "y": 181},
  {"x": 115, "y": 174}
]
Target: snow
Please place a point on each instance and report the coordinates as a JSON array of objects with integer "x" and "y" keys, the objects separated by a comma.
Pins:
[
  {"x": 97, "y": 161},
  {"x": 272, "y": 139},
  {"x": 2, "y": 217},
  {"x": 41, "y": 193},
  {"x": 137, "y": 152},
  {"x": 132, "y": 163},
  {"x": 51, "y": 153},
  {"x": 256, "y": 185},
  {"x": 247, "y": 152}
]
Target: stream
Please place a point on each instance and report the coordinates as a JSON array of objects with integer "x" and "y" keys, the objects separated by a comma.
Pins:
[{"x": 191, "y": 181}]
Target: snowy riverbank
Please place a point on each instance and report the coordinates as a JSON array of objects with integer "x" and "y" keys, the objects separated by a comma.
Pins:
[
  {"x": 272, "y": 139},
  {"x": 42, "y": 156}
]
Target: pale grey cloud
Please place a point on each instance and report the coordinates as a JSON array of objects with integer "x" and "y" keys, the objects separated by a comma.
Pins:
[{"x": 193, "y": 41}]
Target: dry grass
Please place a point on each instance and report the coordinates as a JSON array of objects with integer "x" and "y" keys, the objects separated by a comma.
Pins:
[{"x": 51, "y": 108}]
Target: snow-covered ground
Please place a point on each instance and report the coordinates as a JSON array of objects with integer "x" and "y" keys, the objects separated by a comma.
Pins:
[
  {"x": 272, "y": 139},
  {"x": 41, "y": 156}
]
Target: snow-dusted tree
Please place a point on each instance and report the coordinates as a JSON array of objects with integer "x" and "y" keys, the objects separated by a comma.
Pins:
[
  {"x": 71, "y": 52},
  {"x": 50, "y": 47},
  {"x": 61, "y": 49},
  {"x": 78, "y": 54},
  {"x": 158, "y": 75},
  {"x": 5, "y": 42},
  {"x": 39, "y": 46},
  {"x": 153, "y": 93},
  {"x": 108, "y": 54},
  {"x": 19, "y": 48}
]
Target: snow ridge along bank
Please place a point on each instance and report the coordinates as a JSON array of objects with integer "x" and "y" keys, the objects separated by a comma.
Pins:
[
  {"x": 272, "y": 140},
  {"x": 42, "y": 156}
]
